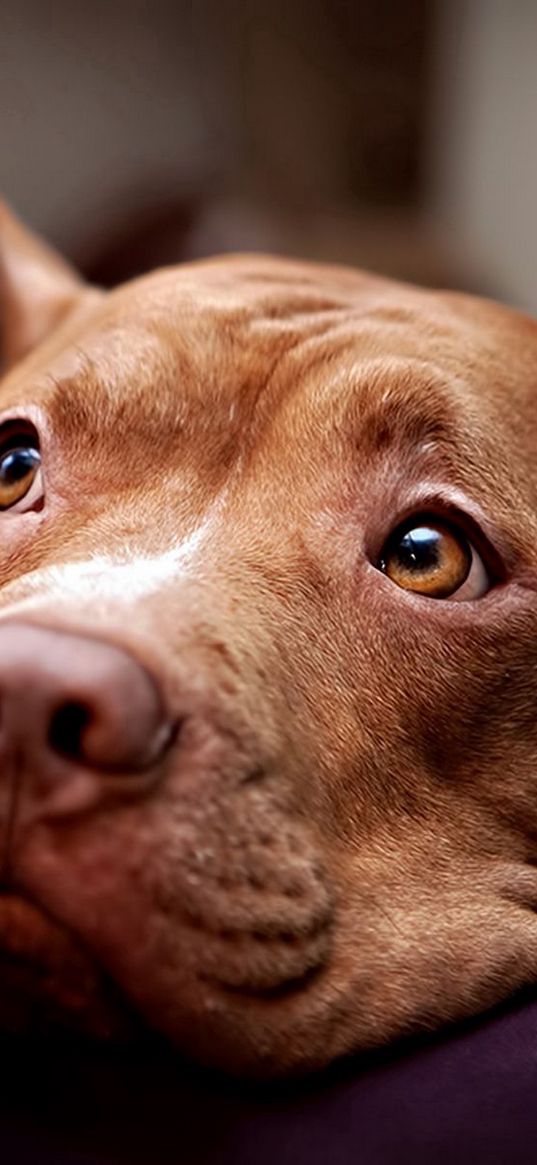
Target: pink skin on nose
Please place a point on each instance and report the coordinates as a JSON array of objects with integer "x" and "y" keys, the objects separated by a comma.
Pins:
[{"x": 72, "y": 710}]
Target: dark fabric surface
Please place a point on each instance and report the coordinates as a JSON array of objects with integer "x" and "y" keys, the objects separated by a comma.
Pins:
[{"x": 467, "y": 1097}]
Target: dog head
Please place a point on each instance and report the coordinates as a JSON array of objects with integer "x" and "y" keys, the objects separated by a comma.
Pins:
[{"x": 268, "y": 655}]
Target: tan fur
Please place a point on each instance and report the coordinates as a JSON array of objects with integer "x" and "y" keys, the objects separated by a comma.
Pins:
[{"x": 341, "y": 845}]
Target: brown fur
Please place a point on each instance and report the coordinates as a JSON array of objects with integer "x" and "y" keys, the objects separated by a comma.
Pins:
[{"x": 340, "y": 847}]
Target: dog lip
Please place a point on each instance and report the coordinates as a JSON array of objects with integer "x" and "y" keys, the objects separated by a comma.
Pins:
[
  {"x": 265, "y": 966},
  {"x": 49, "y": 978},
  {"x": 27, "y": 929},
  {"x": 285, "y": 988}
]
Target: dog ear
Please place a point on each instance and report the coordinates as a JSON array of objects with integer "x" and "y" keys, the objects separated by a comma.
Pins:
[{"x": 37, "y": 289}]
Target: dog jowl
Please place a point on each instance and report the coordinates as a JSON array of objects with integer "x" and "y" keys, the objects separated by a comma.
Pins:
[{"x": 268, "y": 656}]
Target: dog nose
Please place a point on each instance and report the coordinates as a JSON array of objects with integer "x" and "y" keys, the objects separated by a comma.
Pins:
[{"x": 78, "y": 700}]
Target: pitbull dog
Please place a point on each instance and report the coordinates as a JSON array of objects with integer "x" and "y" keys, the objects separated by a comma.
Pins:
[{"x": 268, "y": 656}]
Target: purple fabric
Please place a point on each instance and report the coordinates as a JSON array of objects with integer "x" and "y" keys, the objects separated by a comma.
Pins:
[{"x": 466, "y": 1098}]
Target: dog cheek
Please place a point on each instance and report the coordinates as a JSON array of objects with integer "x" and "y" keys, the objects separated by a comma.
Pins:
[
  {"x": 426, "y": 716},
  {"x": 478, "y": 730}
]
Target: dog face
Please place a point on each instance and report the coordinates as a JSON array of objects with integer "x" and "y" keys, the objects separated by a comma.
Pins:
[{"x": 304, "y": 500}]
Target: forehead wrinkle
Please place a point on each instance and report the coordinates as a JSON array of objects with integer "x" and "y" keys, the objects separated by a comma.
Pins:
[
  {"x": 402, "y": 405},
  {"x": 153, "y": 383},
  {"x": 93, "y": 406}
]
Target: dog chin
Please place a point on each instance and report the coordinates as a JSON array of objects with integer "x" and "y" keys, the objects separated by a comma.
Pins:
[
  {"x": 50, "y": 989},
  {"x": 260, "y": 1006}
]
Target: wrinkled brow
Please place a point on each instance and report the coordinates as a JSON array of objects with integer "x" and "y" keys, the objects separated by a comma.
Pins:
[
  {"x": 165, "y": 405},
  {"x": 377, "y": 404},
  {"x": 97, "y": 406},
  {"x": 402, "y": 406}
]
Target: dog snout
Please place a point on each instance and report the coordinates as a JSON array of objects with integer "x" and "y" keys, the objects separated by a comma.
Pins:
[{"x": 77, "y": 700}]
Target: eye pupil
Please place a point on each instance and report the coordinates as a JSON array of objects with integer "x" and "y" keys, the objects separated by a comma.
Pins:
[
  {"x": 431, "y": 559},
  {"x": 419, "y": 549},
  {"x": 16, "y": 464}
]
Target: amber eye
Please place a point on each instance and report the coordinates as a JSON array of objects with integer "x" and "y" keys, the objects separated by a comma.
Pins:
[
  {"x": 20, "y": 475},
  {"x": 432, "y": 558}
]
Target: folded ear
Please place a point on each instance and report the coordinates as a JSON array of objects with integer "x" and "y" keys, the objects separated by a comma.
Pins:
[{"x": 37, "y": 289}]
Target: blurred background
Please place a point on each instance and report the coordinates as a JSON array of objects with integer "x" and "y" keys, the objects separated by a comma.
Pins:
[{"x": 392, "y": 134}]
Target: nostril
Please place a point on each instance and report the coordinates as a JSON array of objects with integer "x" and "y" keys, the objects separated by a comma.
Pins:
[
  {"x": 67, "y": 727},
  {"x": 80, "y": 698}
]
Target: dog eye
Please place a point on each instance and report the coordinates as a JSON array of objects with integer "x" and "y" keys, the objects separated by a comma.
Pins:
[
  {"x": 434, "y": 558},
  {"x": 21, "y": 478}
]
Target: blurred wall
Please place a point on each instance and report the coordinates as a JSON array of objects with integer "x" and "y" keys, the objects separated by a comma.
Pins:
[
  {"x": 483, "y": 140},
  {"x": 297, "y": 125},
  {"x": 100, "y": 101}
]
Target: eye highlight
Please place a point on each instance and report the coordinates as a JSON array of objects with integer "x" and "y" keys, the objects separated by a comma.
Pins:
[
  {"x": 21, "y": 481},
  {"x": 434, "y": 558}
]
